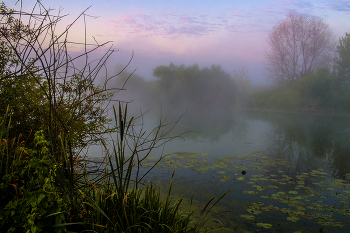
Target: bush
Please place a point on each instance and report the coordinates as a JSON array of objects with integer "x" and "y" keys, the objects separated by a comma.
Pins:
[{"x": 30, "y": 201}]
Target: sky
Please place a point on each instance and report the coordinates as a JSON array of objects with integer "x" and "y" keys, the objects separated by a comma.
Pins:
[{"x": 232, "y": 34}]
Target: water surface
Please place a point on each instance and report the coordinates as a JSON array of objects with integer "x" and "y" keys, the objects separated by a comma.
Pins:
[{"x": 291, "y": 171}]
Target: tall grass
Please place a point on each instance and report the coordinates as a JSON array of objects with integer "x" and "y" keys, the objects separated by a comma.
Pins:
[
  {"x": 50, "y": 187},
  {"x": 118, "y": 205}
]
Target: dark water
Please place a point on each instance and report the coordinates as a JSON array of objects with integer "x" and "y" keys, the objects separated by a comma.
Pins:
[{"x": 288, "y": 170}]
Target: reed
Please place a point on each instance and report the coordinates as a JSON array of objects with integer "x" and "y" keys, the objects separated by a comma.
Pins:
[
  {"x": 117, "y": 204},
  {"x": 49, "y": 187}
]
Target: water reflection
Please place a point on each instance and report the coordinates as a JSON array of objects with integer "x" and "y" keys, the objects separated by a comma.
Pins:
[
  {"x": 288, "y": 183},
  {"x": 309, "y": 142},
  {"x": 201, "y": 123}
]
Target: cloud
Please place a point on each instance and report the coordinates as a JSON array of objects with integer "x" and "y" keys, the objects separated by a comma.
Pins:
[
  {"x": 341, "y": 6},
  {"x": 175, "y": 25}
]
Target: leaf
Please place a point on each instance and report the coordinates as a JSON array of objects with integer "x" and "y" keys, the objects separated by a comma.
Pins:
[
  {"x": 42, "y": 196},
  {"x": 264, "y": 225},
  {"x": 251, "y": 192},
  {"x": 293, "y": 218},
  {"x": 247, "y": 216}
]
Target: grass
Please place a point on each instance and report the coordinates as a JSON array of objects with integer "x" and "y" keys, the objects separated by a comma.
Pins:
[
  {"x": 46, "y": 182},
  {"x": 115, "y": 203}
]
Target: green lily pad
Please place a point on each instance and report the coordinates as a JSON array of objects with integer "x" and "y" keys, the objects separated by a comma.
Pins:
[
  {"x": 293, "y": 218},
  {"x": 264, "y": 225},
  {"x": 251, "y": 192},
  {"x": 247, "y": 216},
  {"x": 253, "y": 211}
]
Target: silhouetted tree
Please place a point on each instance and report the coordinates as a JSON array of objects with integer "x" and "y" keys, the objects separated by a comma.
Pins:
[{"x": 299, "y": 45}]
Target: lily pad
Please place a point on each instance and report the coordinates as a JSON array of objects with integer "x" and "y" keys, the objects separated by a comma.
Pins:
[
  {"x": 247, "y": 216},
  {"x": 293, "y": 218},
  {"x": 264, "y": 225},
  {"x": 251, "y": 192}
]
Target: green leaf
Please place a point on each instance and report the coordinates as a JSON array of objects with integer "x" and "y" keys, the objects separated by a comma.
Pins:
[
  {"x": 264, "y": 225},
  {"x": 42, "y": 196}
]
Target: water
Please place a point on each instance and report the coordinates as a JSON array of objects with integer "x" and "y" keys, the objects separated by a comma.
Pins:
[{"x": 296, "y": 168}]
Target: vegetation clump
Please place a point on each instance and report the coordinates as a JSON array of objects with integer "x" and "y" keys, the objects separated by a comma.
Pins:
[{"x": 52, "y": 112}]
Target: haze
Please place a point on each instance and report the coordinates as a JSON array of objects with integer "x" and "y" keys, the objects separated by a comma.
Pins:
[{"x": 232, "y": 34}]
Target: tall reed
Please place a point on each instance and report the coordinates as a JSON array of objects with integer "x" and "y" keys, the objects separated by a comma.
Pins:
[{"x": 119, "y": 206}]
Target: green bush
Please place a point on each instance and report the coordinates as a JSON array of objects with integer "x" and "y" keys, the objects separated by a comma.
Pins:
[{"x": 29, "y": 200}]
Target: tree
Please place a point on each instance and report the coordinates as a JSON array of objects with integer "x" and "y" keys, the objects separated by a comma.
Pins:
[
  {"x": 299, "y": 45},
  {"x": 43, "y": 86},
  {"x": 191, "y": 85},
  {"x": 318, "y": 90},
  {"x": 342, "y": 62}
]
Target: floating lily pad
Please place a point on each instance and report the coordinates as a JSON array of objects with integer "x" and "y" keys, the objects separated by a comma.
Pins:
[
  {"x": 293, "y": 218},
  {"x": 251, "y": 192},
  {"x": 247, "y": 216},
  {"x": 314, "y": 190},
  {"x": 254, "y": 211},
  {"x": 264, "y": 225},
  {"x": 225, "y": 179}
]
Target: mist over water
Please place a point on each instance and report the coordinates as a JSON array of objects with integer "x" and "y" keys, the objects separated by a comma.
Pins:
[
  {"x": 217, "y": 124},
  {"x": 295, "y": 151}
]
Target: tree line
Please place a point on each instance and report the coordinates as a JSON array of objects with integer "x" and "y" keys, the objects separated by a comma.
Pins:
[{"x": 310, "y": 70}]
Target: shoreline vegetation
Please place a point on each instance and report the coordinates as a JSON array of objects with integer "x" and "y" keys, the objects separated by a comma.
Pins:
[
  {"x": 35, "y": 198},
  {"x": 298, "y": 112},
  {"x": 52, "y": 112}
]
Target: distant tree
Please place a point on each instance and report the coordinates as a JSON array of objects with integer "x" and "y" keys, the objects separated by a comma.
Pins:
[
  {"x": 206, "y": 96},
  {"x": 242, "y": 79},
  {"x": 299, "y": 45},
  {"x": 318, "y": 90},
  {"x": 181, "y": 85},
  {"x": 342, "y": 62}
]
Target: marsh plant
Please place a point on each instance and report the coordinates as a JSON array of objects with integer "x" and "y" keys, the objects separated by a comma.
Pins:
[
  {"x": 52, "y": 112},
  {"x": 120, "y": 205}
]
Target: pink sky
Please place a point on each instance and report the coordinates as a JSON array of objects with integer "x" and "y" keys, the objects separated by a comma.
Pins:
[{"x": 230, "y": 33}]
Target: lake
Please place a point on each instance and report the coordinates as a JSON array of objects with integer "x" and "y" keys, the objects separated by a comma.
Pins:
[{"x": 285, "y": 172}]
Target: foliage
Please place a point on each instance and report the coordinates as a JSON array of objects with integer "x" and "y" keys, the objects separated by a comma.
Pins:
[
  {"x": 11, "y": 30},
  {"x": 203, "y": 97},
  {"x": 47, "y": 91},
  {"x": 315, "y": 92},
  {"x": 119, "y": 205},
  {"x": 28, "y": 106},
  {"x": 342, "y": 66},
  {"x": 320, "y": 89},
  {"x": 299, "y": 45},
  {"x": 35, "y": 199},
  {"x": 180, "y": 85},
  {"x": 30, "y": 200},
  {"x": 45, "y": 189}
]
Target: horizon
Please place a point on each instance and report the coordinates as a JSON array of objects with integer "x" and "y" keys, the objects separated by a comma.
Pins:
[{"x": 230, "y": 34}]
